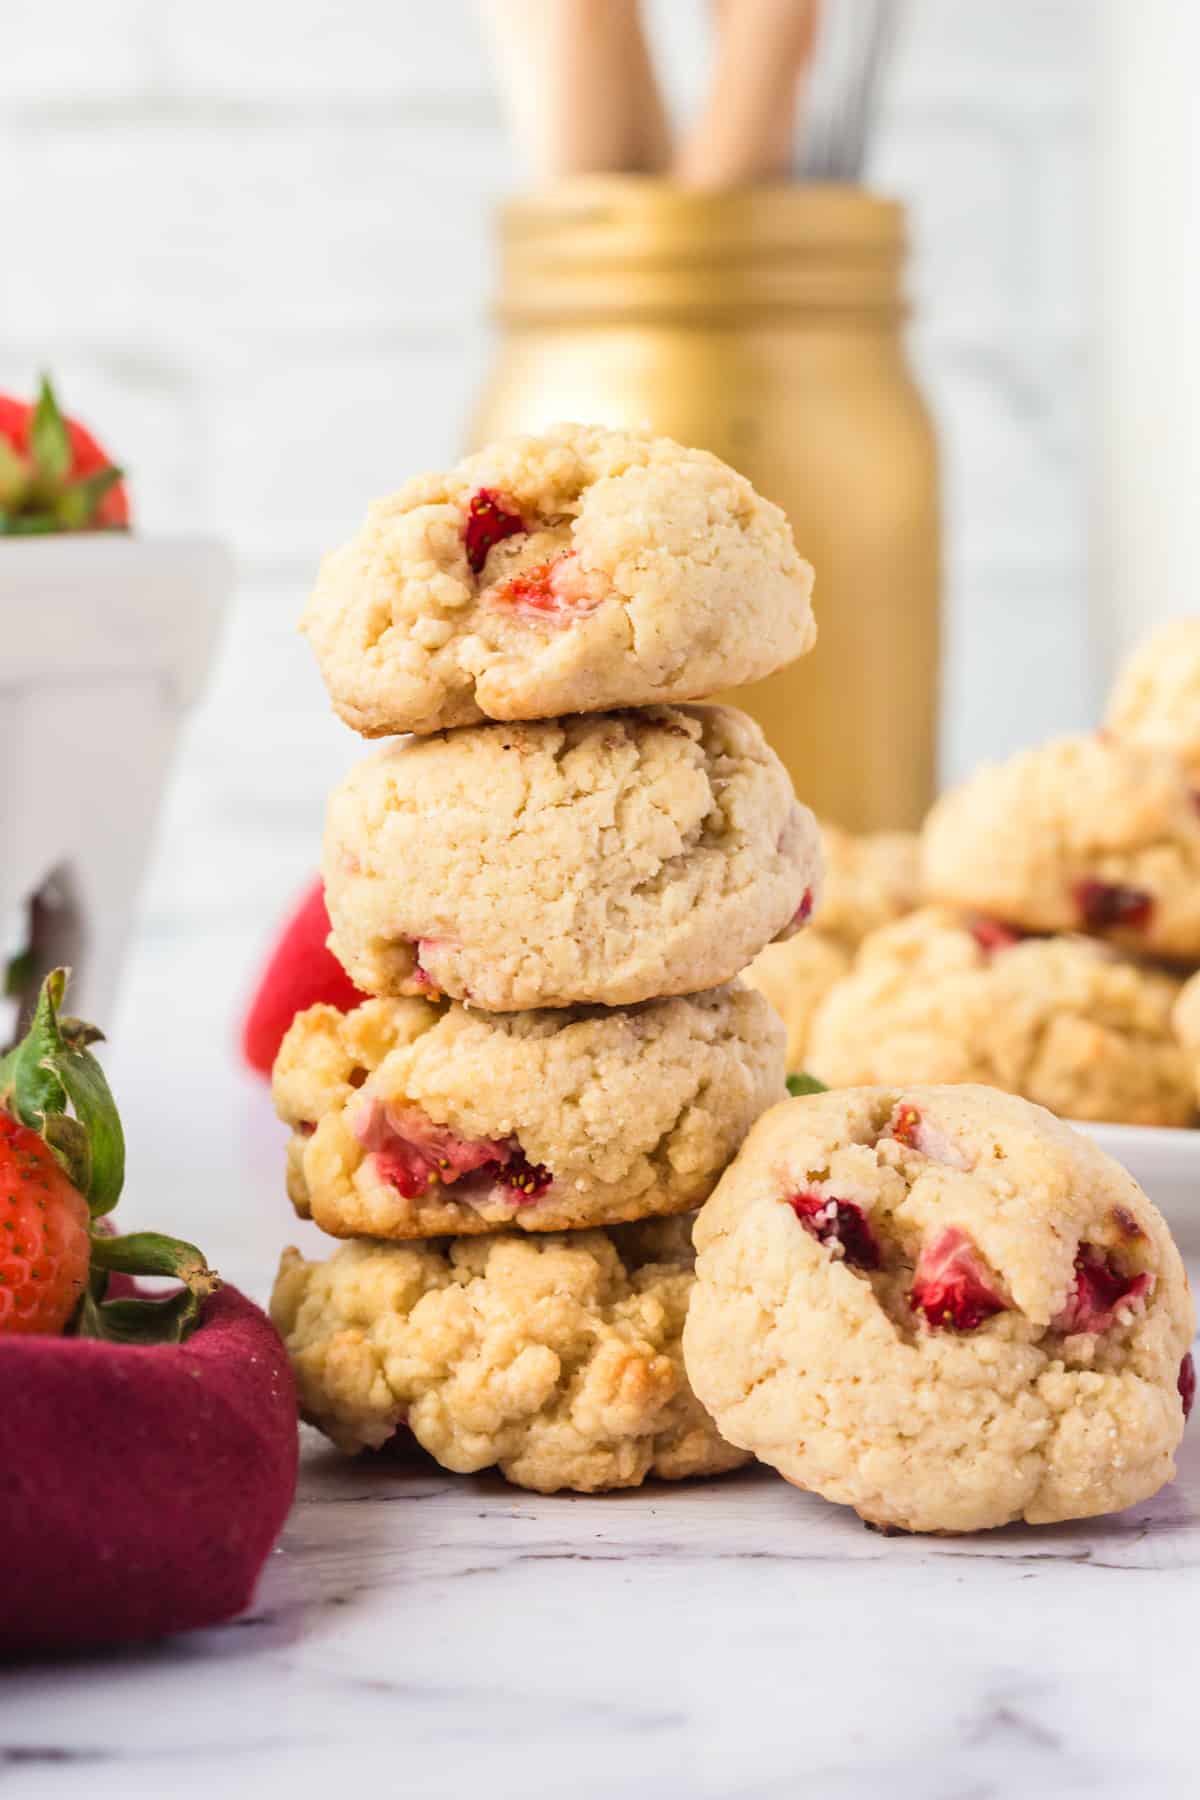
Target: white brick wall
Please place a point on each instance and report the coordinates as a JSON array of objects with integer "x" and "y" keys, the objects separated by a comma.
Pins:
[{"x": 251, "y": 240}]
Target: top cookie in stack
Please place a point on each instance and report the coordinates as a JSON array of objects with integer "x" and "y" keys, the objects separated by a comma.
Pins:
[
  {"x": 570, "y": 573},
  {"x": 550, "y": 888}
]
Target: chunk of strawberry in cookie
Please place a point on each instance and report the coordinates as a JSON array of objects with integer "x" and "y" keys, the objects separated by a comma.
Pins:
[
  {"x": 803, "y": 912},
  {"x": 839, "y": 1224},
  {"x": 1187, "y": 1384},
  {"x": 907, "y": 1127},
  {"x": 556, "y": 589},
  {"x": 1101, "y": 1293},
  {"x": 993, "y": 934},
  {"x": 414, "y": 1154},
  {"x": 1103, "y": 905},
  {"x": 953, "y": 1286},
  {"x": 489, "y": 521}
]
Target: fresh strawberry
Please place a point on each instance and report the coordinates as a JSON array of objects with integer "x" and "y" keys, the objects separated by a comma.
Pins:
[
  {"x": 62, "y": 1167},
  {"x": 54, "y": 476},
  {"x": 45, "y": 1248},
  {"x": 302, "y": 972},
  {"x": 952, "y": 1286}
]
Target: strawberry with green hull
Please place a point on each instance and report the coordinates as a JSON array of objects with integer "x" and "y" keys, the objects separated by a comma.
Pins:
[
  {"x": 148, "y": 1446},
  {"x": 62, "y": 1167},
  {"x": 54, "y": 476}
]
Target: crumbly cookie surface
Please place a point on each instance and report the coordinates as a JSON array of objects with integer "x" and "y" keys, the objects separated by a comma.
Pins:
[
  {"x": 411, "y": 1120},
  {"x": 1064, "y": 1021},
  {"x": 1083, "y": 834},
  {"x": 573, "y": 572},
  {"x": 1156, "y": 696},
  {"x": 1186, "y": 1021},
  {"x": 943, "y": 1307},
  {"x": 601, "y": 860},
  {"x": 870, "y": 879},
  {"x": 557, "y": 1358},
  {"x": 795, "y": 977}
]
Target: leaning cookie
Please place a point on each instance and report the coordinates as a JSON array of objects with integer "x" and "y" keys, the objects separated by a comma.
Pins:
[
  {"x": 943, "y": 1307},
  {"x": 1084, "y": 834},
  {"x": 1156, "y": 697},
  {"x": 556, "y": 1358},
  {"x": 573, "y": 572},
  {"x": 1064, "y": 1021},
  {"x": 411, "y": 1121},
  {"x": 600, "y": 860}
]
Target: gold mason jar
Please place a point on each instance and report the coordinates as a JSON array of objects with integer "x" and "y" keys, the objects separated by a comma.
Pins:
[{"x": 765, "y": 325}]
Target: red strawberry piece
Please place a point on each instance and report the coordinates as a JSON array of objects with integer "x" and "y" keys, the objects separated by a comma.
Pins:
[
  {"x": 904, "y": 1125},
  {"x": 1105, "y": 904},
  {"x": 54, "y": 476},
  {"x": 1187, "y": 1383},
  {"x": 301, "y": 971},
  {"x": 952, "y": 1285},
  {"x": 1099, "y": 1293},
  {"x": 840, "y": 1224},
  {"x": 992, "y": 934},
  {"x": 415, "y": 1154},
  {"x": 45, "y": 1246},
  {"x": 907, "y": 1127},
  {"x": 489, "y": 522},
  {"x": 803, "y": 912},
  {"x": 528, "y": 1181}
]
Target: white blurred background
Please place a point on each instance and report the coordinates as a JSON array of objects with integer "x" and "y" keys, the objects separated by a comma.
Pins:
[{"x": 252, "y": 242}]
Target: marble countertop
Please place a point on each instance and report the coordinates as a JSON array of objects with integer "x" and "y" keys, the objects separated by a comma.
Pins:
[{"x": 417, "y": 1633}]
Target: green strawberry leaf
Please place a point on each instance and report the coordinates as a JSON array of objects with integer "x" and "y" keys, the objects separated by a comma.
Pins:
[
  {"x": 802, "y": 1083},
  {"x": 14, "y": 475},
  {"x": 141, "y": 1319},
  {"x": 51, "y": 1070},
  {"x": 52, "y": 1083},
  {"x": 78, "y": 504},
  {"x": 49, "y": 439},
  {"x": 167, "y": 1321}
]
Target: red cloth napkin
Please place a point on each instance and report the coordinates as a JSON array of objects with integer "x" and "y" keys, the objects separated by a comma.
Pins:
[{"x": 141, "y": 1487}]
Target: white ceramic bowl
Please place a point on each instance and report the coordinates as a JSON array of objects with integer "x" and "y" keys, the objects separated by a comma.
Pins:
[
  {"x": 106, "y": 641},
  {"x": 1166, "y": 1164}
]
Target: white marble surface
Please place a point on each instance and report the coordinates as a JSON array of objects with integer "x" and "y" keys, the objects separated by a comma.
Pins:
[{"x": 424, "y": 1635}]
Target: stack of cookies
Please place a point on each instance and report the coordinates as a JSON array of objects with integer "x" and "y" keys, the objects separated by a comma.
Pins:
[
  {"x": 545, "y": 891},
  {"x": 1038, "y": 936}
]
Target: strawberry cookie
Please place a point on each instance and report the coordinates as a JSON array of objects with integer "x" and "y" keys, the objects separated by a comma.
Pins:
[
  {"x": 607, "y": 859},
  {"x": 556, "y": 1358},
  {"x": 1065, "y": 1021},
  {"x": 870, "y": 879},
  {"x": 795, "y": 977},
  {"x": 1187, "y": 1027},
  {"x": 1085, "y": 834},
  {"x": 411, "y": 1120},
  {"x": 1156, "y": 698},
  {"x": 942, "y": 1307},
  {"x": 581, "y": 570}
]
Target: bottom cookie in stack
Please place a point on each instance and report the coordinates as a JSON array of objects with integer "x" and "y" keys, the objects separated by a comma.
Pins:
[{"x": 556, "y": 1358}]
